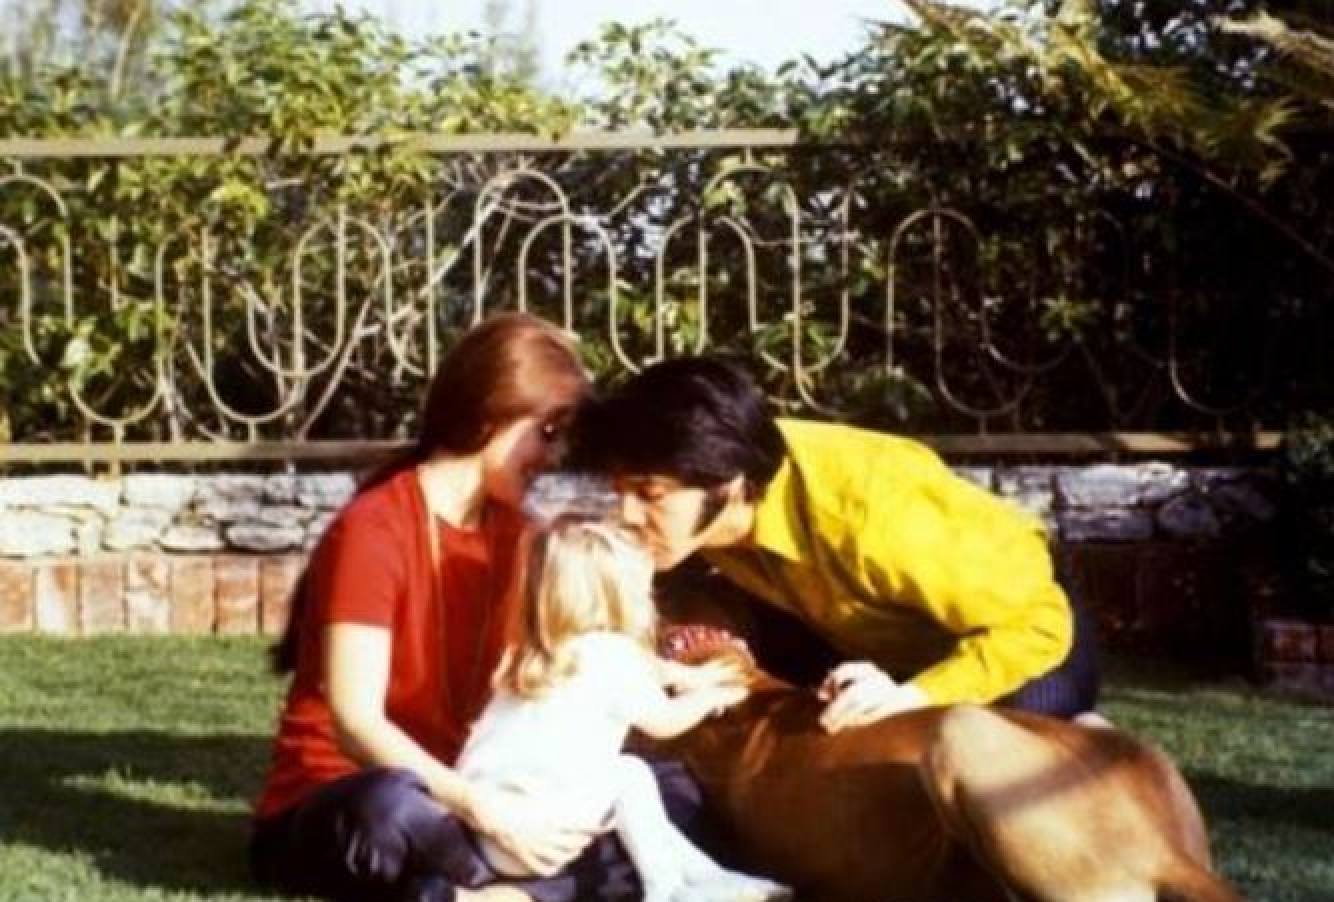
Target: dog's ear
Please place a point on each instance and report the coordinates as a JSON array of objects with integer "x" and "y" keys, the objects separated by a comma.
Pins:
[{"x": 694, "y": 643}]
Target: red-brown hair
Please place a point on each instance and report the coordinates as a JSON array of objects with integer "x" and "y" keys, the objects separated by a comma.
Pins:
[{"x": 504, "y": 368}]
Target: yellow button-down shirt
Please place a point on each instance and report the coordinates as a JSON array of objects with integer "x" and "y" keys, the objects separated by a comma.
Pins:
[{"x": 880, "y": 548}]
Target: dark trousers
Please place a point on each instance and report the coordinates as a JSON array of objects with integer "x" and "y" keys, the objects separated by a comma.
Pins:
[
  {"x": 1072, "y": 686},
  {"x": 378, "y": 836}
]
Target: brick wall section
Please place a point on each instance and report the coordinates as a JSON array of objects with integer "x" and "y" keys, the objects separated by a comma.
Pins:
[
  {"x": 17, "y": 597},
  {"x": 146, "y": 594}
]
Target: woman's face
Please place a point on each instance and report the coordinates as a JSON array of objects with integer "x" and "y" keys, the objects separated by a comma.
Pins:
[{"x": 521, "y": 449}]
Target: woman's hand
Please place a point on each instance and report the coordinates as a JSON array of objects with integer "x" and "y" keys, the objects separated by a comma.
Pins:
[
  {"x": 859, "y": 693},
  {"x": 520, "y": 827}
]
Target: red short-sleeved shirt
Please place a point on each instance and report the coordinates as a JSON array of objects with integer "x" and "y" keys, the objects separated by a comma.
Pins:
[{"x": 374, "y": 567}]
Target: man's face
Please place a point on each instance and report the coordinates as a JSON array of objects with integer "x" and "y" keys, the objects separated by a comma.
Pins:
[{"x": 667, "y": 516}]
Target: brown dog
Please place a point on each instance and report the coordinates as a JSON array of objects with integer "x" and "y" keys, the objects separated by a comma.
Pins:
[{"x": 960, "y": 804}]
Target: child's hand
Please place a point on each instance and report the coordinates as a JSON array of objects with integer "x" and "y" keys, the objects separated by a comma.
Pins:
[
  {"x": 718, "y": 699},
  {"x": 712, "y": 674}
]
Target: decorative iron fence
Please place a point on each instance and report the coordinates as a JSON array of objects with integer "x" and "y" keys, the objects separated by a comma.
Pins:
[{"x": 291, "y": 300}]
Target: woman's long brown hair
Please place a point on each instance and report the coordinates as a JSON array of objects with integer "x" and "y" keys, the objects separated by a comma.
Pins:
[{"x": 502, "y": 369}]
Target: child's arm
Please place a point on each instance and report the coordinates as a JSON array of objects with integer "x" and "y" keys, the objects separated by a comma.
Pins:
[{"x": 670, "y": 716}]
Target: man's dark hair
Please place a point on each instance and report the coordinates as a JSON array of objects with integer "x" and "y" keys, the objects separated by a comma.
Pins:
[{"x": 700, "y": 420}]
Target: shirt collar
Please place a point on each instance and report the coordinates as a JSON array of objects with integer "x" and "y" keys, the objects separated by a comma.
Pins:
[{"x": 777, "y": 515}]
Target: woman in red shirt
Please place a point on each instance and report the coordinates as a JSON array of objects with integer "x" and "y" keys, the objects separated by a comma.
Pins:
[{"x": 396, "y": 627}]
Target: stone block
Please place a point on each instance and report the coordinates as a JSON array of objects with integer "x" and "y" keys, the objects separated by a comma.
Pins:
[
  {"x": 192, "y": 539},
  {"x": 1111, "y": 525},
  {"x": 231, "y": 487},
  {"x": 159, "y": 491},
  {"x": 1160, "y": 482},
  {"x": 1029, "y": 487},
  {"x": 34, "y": 534},
  {"x": 136, "y": 529},
  {"x": 56, "y": 597},
  {"x": 148, "y": 594},
  {"x": 317, "y": 527},
  {"x": 228, "y": 510},
  {"x": 553, "y": 494},
  {"x": 101, "y": 596},
  {"x": 1098, "y": 487},
  {"x": 56, "y": 491},
  {"x": 259, "y": 537},
  {"x": 280, "y": 488},
  {"x": 1188, "y": 516},
  {"x": 1288, "y": 640},
  {"x": 237, "y": 593},
  {"x": 328, "y": 491},
  {"x": 17, "y": 597},
  {"x": 277, "y": 578},
  {"x": 190, "y": 583},
  {"x": 978, "y": 476}
]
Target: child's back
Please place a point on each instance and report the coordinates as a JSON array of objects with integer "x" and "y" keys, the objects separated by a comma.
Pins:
[{"x": 561, "y": 744}]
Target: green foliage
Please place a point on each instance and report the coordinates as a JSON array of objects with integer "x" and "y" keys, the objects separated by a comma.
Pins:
[
  {"x": 1086, "y": 163},
  {"x": 1308, "y": 475}
]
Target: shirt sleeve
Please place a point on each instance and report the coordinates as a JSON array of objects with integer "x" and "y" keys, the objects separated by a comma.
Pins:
[
  {"x": 625, "y": 670},
  {"x": 359, "y": 572},
  {"x": 980, "y": 568}
]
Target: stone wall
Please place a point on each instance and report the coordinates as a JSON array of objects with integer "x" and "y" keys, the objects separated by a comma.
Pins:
[{"x": 1163, "y": 553}]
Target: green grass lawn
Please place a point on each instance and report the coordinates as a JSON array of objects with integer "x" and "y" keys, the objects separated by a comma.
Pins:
[{"x": 126, "y": 767}]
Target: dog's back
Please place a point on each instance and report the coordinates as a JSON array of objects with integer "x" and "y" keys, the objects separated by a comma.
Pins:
[{"x": 959, "y": 804}]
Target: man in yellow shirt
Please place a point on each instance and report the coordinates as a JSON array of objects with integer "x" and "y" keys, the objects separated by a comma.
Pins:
[{"x": 933, "y": 590}]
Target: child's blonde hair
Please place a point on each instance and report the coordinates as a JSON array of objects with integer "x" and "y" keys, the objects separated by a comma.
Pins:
[{"x": 579, "y": 576}]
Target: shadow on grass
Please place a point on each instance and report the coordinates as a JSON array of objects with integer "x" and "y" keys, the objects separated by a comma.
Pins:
[
  {"x": 1304, "y": 808},
  {"x": 142, "y": 806}
]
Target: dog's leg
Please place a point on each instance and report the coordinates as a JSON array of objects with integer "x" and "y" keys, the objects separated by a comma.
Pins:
[{"x": 1057, "y": 823}]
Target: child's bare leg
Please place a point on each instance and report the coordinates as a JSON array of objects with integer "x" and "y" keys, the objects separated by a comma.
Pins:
[
  {"x": 643, "y": 828},
  {"x": 663, "y": 857}
]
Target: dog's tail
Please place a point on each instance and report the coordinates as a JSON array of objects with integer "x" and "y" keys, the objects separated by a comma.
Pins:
[{"x": 1190, "y": 882}]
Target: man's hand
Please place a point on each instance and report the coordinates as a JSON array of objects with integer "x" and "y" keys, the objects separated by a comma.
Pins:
[{"x": 859, "y": 693}]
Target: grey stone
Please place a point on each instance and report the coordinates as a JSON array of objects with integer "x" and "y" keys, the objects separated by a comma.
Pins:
[
  {"x": 1244, "y": 499},
  {"x": 280, "y": 488},
  {"x": 254, "y": 536},
  {"x": 1208, "y": 478},
  {"x": 1188, "y": 516},
  {"x": 553, "y": 494},
  {"x": 978, "y": 476},
  {"x": 1160, "y": 482},
  {"x": 1100, "y": 486},
  {"x": 167, "y": 491},
  {"x": 70, "y": 491},
  {"x": 1028, "y": 487},
  {"x": 286, "y": 516},
  {"x": 241, "y": 487},
  {"x": 226, "y": 510},
  {"x": 88, "y": 535},
  {"x": 327, "y": 491},
  {"x": 1113, "y": 525},
  {"x": 138, "y": 528},
  {"x": 31, "y": 533},
  {"x": 191, "y": 538},
  {"x": 316, "y": 528}
]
